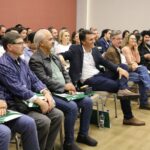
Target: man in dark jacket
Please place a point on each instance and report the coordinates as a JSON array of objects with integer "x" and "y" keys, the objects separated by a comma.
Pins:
[
  {"x": 50, "y": 71},
  {"x": 84, "y": 67}
]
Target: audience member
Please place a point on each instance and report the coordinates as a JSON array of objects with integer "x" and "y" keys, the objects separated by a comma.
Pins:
[
  {"x": 84, "y": 67},
  {"x": 75, "y": 38},
  {"x": 23, "y": 125},
  {"x": 2, "y": 33},
  {"x": 104, "y": 40},
  {"x": 22, "y": 84},
  {"x": 30, "y": 49},
  {"x": 124, "y": 36},
  {"x": 49, "y": 70},
  {"x": 135, "y": 31},
  {"x": 64, "y": 42},
  {"x": 144, "y": 49},
  {"x": 114, "y": 55},
  {"x": 139, "y": 38}
]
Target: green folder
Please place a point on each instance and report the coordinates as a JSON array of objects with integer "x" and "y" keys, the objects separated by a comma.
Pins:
[
  {"x": 10, "y": 115},
  {"x": 70, "y": 97}
]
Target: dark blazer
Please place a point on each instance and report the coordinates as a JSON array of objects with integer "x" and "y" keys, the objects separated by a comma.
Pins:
[
  {"x": 113, "y": 55},
  {"x": 75, "y": 57},
  {"x": 142, "y": 51},
  {"x": 101, "y": 42},
  {"x": 40, "y": 65}
]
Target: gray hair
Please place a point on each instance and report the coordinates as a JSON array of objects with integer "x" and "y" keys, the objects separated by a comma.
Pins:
[
  {"x": 114, "y": 33},
  {"x": 39, "y": 36}
]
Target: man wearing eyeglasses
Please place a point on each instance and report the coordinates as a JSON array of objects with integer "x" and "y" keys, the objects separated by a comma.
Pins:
[{"x": 22, "y": 84}]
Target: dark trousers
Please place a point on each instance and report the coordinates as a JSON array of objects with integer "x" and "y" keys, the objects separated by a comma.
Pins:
[
  {"x": 110, "y": 82},
  {"x": 70, "y": 110},
  {"x": 23, "y": 125}
]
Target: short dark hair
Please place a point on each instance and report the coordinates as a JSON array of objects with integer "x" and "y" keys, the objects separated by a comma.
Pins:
[
  {"x": 145, "y": 32},
  {"x": 83, "y": 33},
  {"x": 124, "y": 33},
  {"x": 104, "y": 32},
  {"x": 31, "y": 37},
  {"x": 1, "y": 25},
  {"x": 50, "y": 28},
  {"x": 20, "y": 29},
  {"x": 9, "y": 38}
]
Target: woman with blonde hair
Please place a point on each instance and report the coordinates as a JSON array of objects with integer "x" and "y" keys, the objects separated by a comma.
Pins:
[{"x": 64, "y": 42}]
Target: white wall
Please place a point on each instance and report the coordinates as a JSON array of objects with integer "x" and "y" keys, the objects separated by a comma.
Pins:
[{"x": 114, "y": 14}]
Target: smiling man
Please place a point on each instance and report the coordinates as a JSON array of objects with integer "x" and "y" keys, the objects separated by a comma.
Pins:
[{"x": 85, "y": 60}]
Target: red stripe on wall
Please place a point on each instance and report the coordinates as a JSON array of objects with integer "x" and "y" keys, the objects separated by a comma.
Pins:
[{"x": 39, "y": 13}]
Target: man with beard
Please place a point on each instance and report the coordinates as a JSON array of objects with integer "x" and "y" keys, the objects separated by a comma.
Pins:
[{"x": 144, "y": 49}]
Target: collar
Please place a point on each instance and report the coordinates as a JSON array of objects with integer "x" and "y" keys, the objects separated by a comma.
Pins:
[
  {"x": 85, "y": 52},
  {"x": 45, "y": 57},
  {"x": 11, "y": 58}
]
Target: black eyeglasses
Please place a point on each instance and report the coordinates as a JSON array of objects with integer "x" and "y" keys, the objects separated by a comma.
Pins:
[{"x": 19, "y": 43}]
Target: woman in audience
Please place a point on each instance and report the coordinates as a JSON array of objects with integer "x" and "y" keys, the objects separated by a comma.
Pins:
[
  {"x": 135, "y": 31},
  {"x": 75, "y": 38},
  {"x": 104, "y": 40},
  {"x": 125, "y": 35},
  {"x": 131, "y": 53},
  {"x": 23, "y": 32},
  {"x": 64, "y": 42},
  {"x": 63, "y": 46},
  {"x": 139, "y": 38}
]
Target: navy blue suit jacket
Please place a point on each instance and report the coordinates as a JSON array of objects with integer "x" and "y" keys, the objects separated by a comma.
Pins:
[{"x": 75, "y": 57}]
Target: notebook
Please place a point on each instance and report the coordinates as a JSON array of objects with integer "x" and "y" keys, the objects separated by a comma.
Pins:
[{"x": 10, "y": 115}]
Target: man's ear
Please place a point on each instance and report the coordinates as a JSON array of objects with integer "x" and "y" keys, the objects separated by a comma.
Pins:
[{"x": 9, "y": 46}]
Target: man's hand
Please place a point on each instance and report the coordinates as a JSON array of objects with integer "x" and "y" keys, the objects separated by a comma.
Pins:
[
  {"x": 49, "y": 99},
  {"x": 122, "y": 72},
  {"x": 3, "y": 107},
  {"x": 42, "y": 104},
  {"x": 70, "y": 87}
]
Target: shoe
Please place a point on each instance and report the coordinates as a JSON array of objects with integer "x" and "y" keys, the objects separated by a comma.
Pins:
[
  {"x": 71, "y": 146},
  {"x": 134, "y": 122},
  {"x": 86, "y": 140},
  {"x": 127, "y": 93},
  {"x": 146, "y": 107}
]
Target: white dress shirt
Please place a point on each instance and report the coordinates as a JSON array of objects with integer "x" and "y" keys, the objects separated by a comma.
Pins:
[{"x": 88, "y": 69}]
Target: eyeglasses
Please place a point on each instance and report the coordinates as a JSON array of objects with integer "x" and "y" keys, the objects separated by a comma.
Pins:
[{"x": 19, "y": 43}]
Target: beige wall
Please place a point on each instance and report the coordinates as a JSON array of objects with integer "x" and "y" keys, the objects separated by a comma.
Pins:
[{"x": 115, "y": 14}]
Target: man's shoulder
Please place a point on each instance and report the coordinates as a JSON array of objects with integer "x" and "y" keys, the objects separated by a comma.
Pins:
[
  {"x": 110, "y": 49},
  {"x": 75, "y": 47},
  {"x": 36, "y": 56}
]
